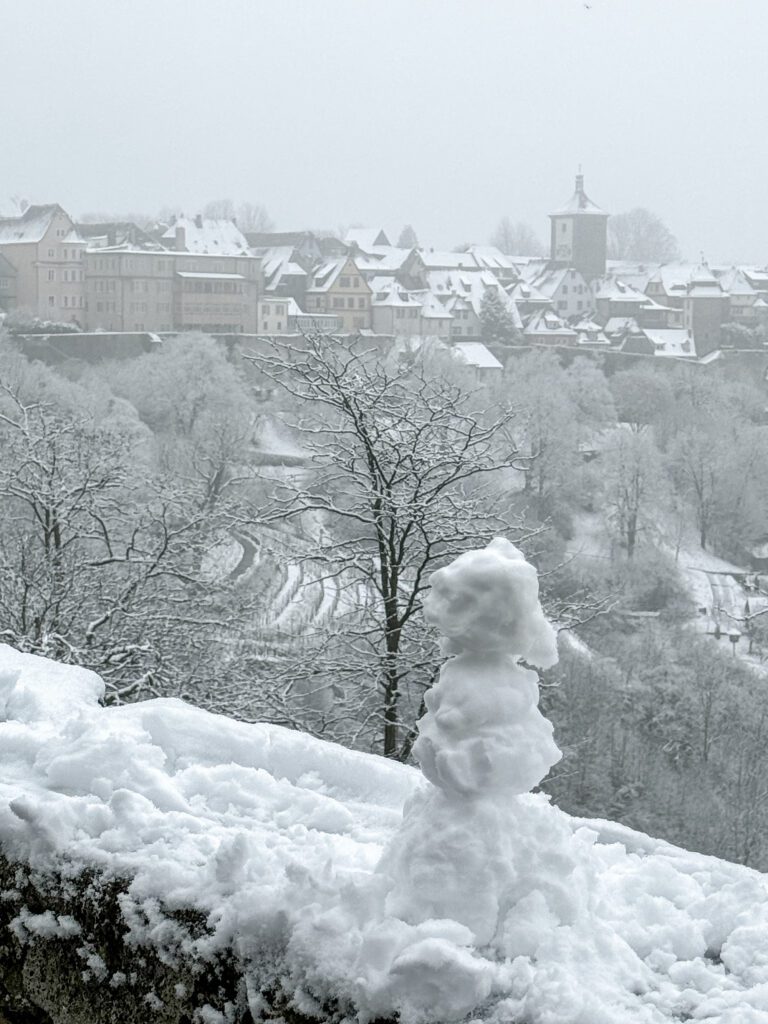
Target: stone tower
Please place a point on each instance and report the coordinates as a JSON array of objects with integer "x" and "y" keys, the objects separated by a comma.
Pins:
[{"x": 579, "y": 234}]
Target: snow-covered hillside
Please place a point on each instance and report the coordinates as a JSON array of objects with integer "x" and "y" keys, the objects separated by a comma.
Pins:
[{"x": 482, "y": 902}]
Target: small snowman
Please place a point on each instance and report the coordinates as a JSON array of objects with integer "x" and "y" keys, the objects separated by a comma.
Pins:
[{"x": 482, "y": 744}]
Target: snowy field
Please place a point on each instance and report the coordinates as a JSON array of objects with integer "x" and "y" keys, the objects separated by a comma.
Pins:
[{"x": 359, "y": 884}]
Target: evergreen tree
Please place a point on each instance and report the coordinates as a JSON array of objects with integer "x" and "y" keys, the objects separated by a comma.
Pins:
[
  {"x": 407, "y": 238},
  {"x": 497, "y": 321}
]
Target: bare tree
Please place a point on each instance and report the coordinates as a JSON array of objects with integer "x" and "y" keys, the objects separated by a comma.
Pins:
[
  {"x": 100, "y": 561},
  {"x": 516, "y": 239},
  {"x": 641, "y": 235},
  {"x": 249, "y": 216},
  {"x": 407, "y": 474}
]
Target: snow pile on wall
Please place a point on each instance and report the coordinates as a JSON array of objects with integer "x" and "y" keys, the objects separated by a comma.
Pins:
[{"x": 357, "y": 883}]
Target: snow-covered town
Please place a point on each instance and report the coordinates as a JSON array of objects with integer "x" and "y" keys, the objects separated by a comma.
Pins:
[
  {"x": 130, "y": 284},
  {"x": 383, "y": 543}
]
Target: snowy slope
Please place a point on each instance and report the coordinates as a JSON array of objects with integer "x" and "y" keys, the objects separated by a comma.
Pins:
[{"x": 278, "y": 836}]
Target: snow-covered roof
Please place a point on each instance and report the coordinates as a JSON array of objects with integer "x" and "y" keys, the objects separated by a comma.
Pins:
[
  {"x": 474, "y": 353},
  {"x": 205, "y": 235},
  {"x": 526, "y": 292},
  {"x": 325, "y": 275},
  {"x": 210, "y": 277},
  {"x": 544, "y": 321},
  {"x": 579, "y": 202},
  {"x": 432, "y": 308},
  {"x": 672, "y": 341},
  {"x": 30, "y": 227},
  {"x": 394, "y": 294},
  {"x": 551, "y": 279},
  {"x": 489, "y": 257},
  {"x": 381, "y": 259},
  {"x": 442, "y": 260},
  {"x": 366, "y": 239},
  {"x": 616, "y": 290},
  {"x": 621, "y": 324}
]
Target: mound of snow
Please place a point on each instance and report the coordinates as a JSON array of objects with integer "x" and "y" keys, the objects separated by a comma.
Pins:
[{"x": 458, "y": 896}]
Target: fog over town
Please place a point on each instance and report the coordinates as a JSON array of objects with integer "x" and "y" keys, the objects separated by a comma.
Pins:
[
  {"x": 431, "y": 113},
  {"x": 383, "y": 513}
]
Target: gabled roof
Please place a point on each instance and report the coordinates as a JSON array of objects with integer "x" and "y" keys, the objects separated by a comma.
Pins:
[
  {"x": 366, "y": 239},
  {"x": 31, "y": 226},
  {"x": 489, "y": 257},
  {"x": 112, "y": 233},
  {"x": 326, "y": 275},
  {"x": 550, "y": 279},
  {"x": 523, "y": 291},
  {"x": 393, "y": 294},
  {"x": 212, "y": 237},
  {"x": 544, "y": 321},
  {"x": 441, "y": 260},
  {"x": 432, "y": 308},
  {"x": 474, "y": 353},
  {"x": 672, "y": 341},
  {"x": 579, "y": 203}
]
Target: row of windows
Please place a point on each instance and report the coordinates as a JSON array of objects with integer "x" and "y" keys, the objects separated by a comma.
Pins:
[
  {"x": 66, "y": 275},
  {"x": 344, "y": 282},
  {"x": 75, "y": 301},
  {"x": 66, "y": 254},
  {"x": 400, "y": 312},
  {"x": 279, "y": 309},
  {"x": 265, "y": 326},
  {"x": 339, "y": 302},
  {"x": 216, "y": 287},
  {"x": 228, "y": 310}
]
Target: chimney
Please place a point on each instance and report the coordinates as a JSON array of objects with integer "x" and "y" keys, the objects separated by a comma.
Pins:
[
  {"x": 198, "y": 221},
  {"x": 180, "y": 239}
]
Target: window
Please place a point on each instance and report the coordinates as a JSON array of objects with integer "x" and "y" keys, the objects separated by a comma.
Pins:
[
  {"x": 50, "y": 252},
  {"x": 265, "y": 310},
  {"x": 350, "y": 303},
  {"x": 344, "y": 282},
  {"x": 4, "y": 283},
  {"x": 66, "y": 301},
  {"x": 338, "y": 303},
  {"x": 51, "y": 275},
  {"x": 51, "y": 300},
  {"x": 579, "y": 304},
  {"x": 361, "y": 302},
  {"x": 565, "y": 289},
  {"x": 279, "y": 325},
  {"x": 357, "y": 282},
  {"x": 562, "y": 304}
]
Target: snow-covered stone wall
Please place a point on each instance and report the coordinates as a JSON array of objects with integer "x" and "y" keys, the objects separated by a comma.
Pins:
[{"x": 160, "y": 863}]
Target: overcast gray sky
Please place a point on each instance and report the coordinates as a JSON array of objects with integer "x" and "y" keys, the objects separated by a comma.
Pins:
[{"x": 446, "y": 114}]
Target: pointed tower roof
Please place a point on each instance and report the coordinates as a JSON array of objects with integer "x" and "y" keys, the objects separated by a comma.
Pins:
[{"x": 579, "y": 203}]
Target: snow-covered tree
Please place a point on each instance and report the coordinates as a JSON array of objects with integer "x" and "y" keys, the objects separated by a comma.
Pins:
[
  {"x": 100, "y": 555},
  {"x": 407, "y": 475},
  {"x": 498, "y": 324}
]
